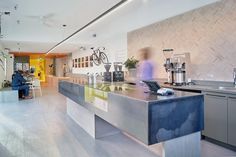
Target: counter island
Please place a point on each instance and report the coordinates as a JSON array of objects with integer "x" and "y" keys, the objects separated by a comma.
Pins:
[{"x": 172, "y": 122}]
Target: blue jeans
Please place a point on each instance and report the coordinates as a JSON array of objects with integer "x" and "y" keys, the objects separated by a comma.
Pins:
[{"x": 23, "y": 88}]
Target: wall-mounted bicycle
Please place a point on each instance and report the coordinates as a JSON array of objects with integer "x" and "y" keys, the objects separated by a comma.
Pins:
[{"x": 99, "y": 56}]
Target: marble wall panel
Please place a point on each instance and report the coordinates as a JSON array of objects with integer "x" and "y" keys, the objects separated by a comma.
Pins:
[{"x": 208, "y": 33}]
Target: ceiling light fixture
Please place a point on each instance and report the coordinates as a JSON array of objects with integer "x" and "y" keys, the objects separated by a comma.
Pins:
[{"x": 103, "y": 15}]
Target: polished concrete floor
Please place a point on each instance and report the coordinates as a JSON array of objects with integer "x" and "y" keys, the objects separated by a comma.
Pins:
[{"x": 41, "y": 128}]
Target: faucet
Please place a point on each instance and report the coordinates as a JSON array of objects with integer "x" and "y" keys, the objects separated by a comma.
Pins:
[{"x": 234, "y": 76}]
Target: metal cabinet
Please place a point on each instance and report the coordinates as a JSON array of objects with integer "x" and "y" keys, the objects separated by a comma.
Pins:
[
  {"x": 232, "y": 120},
  {"x": 215, "y": 112},
  {"x": 220, "y": 116}
]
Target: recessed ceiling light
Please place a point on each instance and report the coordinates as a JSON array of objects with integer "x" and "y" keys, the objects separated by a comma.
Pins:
[{"x": 16, "y": 7}]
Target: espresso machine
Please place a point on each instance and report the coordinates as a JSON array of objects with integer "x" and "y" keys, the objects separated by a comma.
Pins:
[
  {"x": 178, "y": 70},
  {"x": 107, "y": 75},
  {"x": 177, "y": 67},
  {"x": 118, "y": 74}
]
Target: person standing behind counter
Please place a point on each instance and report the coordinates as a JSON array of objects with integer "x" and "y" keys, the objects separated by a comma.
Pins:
[
  {"x": 19, "y": 83},
  {"x": 145, "y": 66}
]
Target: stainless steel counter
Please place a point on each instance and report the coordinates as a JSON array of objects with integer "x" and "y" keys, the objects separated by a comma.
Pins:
[{"x": 143, "y": 115}]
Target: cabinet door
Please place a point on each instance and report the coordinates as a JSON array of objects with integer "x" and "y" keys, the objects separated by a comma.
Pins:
[
  {"x": 215, "y": 112},
  {"x": 232, "y": 121}
]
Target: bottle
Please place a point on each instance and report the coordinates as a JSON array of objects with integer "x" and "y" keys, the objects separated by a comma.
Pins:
[
  {"x": 95, "y": 78},
  {"x": 90, "y": 78}
]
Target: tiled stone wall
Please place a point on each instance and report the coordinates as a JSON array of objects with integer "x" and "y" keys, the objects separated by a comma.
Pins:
[{"x": 208, "y": 33}]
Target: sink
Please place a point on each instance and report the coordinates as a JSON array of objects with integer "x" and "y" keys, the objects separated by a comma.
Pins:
[{"x": 226, "y": 88}]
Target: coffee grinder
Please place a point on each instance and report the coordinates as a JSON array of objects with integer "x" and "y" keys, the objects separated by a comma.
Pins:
[
  {"x": 107, "y": 74},
  {"x": 118, "y": 74}
]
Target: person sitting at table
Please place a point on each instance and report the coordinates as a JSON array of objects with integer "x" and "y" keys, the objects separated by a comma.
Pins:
[{"x": 19, "y": 83}]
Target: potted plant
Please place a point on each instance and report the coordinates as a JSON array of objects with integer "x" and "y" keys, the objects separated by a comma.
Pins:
[{"x": 130, "y": 64}]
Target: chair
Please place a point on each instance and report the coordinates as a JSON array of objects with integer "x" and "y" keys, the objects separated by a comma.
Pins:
[{"x": 36, "y": 86}]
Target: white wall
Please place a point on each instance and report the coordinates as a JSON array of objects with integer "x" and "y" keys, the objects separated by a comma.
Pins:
[
  {"x": 69, "y": 63},
  {"x": 9, "y": 67},
  {"x": 116, "y": 50}
]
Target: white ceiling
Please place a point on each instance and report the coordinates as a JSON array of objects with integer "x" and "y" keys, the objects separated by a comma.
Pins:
[
  {"x": 134, "y": 15},
  {"x": 39, "y": 35},
  {"x": 41, "y": 21}
]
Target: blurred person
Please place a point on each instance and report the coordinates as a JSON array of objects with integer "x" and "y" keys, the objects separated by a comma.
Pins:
[
  {"x": 145, "y": 66},
  {"x": 19, "y": 83}
]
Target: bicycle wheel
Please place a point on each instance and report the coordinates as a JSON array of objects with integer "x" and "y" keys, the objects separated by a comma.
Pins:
[
  {"x": 96, "y": 60},
  {"x": 104, "y": 58}
]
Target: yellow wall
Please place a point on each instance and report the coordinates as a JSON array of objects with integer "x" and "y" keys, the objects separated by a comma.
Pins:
[{"x": 39, "y": 65}]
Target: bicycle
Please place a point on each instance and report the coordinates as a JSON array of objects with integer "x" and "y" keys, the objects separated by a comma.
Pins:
[{"x": 99, "y": 56}]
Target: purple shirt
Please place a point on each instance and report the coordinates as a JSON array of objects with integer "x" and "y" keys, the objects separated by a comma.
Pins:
[{"x": 145, "y": 70}]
